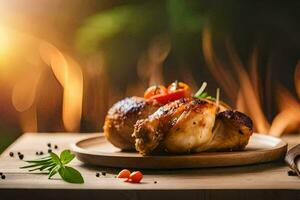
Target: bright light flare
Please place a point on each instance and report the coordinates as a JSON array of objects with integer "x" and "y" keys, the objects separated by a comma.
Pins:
[{"x": 69, "y": 75}]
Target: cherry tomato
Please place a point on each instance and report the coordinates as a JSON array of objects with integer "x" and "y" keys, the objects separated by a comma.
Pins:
[
  {"x": 125, "y": 173},
  {"x": 155, "y": 90},
  {"x": 135, "y": 177},
  {"x": 177, "y": 86},
  {"x": 165, "y": 98}
]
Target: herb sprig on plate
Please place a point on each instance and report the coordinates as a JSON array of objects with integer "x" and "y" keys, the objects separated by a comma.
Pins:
[
  {"x": 201, "y": 94},
  {"x": 54, "y": 164}
]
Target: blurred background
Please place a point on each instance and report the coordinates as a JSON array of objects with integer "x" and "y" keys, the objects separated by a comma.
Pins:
[{"x": 64, "y": 63}]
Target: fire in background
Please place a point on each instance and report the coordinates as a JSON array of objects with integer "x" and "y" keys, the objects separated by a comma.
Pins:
[{"x": 63, "y": 63}]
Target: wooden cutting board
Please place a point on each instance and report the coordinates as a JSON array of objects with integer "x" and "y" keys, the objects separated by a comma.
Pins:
[{"x": 96, "y": 150}]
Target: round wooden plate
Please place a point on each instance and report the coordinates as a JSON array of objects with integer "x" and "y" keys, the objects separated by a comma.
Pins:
[{"x": 96, "y": 150}]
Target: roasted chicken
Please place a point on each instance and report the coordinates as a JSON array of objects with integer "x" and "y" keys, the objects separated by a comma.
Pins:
[
  {"x": 172, "y": 120},
  {"x": 121, "y": 118},
  {"x": 192, "y": 125}
]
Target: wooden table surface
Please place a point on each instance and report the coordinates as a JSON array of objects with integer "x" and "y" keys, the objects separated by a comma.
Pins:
[{"x": 263, "y": 181}]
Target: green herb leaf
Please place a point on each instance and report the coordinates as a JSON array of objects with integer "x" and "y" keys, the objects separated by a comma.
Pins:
[
  {"x": 54, "y": 164},
  {"x": 55, "y": 158},
  {"x": 54, "y": 171},
  {"x": 66, "y": 156},
  {"x": 70, "y": 175},
  {"x": 201, "y": 90}
]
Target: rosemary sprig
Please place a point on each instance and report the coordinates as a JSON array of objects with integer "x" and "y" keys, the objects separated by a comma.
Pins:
[{"x": 54, "y": 164}]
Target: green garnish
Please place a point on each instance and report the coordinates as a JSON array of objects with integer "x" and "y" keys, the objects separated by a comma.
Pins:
[
  {"x": 201, "y": 94},
  {"x": 176, "y": 84},
  {"x": 54, "y": 164}
]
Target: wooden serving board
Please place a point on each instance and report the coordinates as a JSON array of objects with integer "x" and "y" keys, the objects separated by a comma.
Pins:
[{"x": 96, "y": 150}]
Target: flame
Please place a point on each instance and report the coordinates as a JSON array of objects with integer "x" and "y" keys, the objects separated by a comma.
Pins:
[
  {"x": 216, "y": 67},
  {"x": 69, "y": 74},
  {"x": 289, "y": 116},
  {"x": 248, "y": 96}
]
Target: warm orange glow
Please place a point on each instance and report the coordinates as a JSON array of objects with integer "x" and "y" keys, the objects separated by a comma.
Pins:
[
  {"x": 247, "y": 95},
  {"x": 216, "y": 67},
  {"x": 288, "y": 118},
  {"x": 297, "y": 78},
  {"x": 73, "y": 96},
  {"x": 70, "y": 76},
  {"x": 24, "y": 91}
]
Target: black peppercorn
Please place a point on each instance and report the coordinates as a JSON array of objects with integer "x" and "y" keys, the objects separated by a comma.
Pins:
[
  {"x": 37, "y": 153},
  {"x": 155, "y": 182},
  {"x": 49, "y": 144},
  {"x": 55, "y": 146},
  {"x": 97, "y": 174},
  {"x": 103, "y": 173},
  {"x": 292, "y": 173},
  {"x": 11, "y": 154},
  {"x": 49, "y": 150},
  {"x": 41, "y": 153},
  {"x": 3, "y": 176},
  {"x": 19, "y": 153},
  {"x": 21, "y": 156},
  {"x": 1, "y": 173}
]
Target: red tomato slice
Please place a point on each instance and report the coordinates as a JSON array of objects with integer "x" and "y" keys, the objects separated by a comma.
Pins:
[
  {"x": 165, "y": 98},
  {"x": 135, "y": 177},
  {"x": 125, "y": 173},
  {"x": 155, "y": 90}
]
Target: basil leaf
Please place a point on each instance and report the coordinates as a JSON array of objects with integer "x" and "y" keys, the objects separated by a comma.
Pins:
[
  {"x": 70, "y": 175},
  {"x": 66, "y": 156},
  {"x": 54, "y": 171},
  {"x": 55, "y": 158}
]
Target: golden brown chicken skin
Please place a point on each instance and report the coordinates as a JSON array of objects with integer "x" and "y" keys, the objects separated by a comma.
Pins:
[
  {"x": 191, "y": 125},
  {"x": 121, "y": 118}
]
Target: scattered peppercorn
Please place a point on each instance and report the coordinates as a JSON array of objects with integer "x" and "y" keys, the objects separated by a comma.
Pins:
[
  {"x": 37, "y": 153},
  {"x": 155, "y": 182},
  {"x": 103, "y": 173},
  {"x": 292, "y": 173},
  {"x": 49, "y": 150},
  {"x": 19, "y": 153},
  {"x": 11, "y": 154},
  {"x": 21, "y": 156},
  {"x": 41, "y": 153},
  {"x": 49, "y": 144},
  {"x": 3, "y": 176},
  {"x": 97, "y": 174},
  {"x": 55, "y": 146},
  {"x": 1, "y": 173}
]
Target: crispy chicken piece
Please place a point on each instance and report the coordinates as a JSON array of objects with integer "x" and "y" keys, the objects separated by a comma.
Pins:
[
  {"x": 231, "y": 131},
  {"x": 191, "y": 125},
  {"x": 120, "y": 120}
]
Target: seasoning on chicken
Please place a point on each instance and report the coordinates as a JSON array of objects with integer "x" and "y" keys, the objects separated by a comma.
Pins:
[
  {"x": 192, "y": 125},
  {"x": 120, "y": 120}
]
